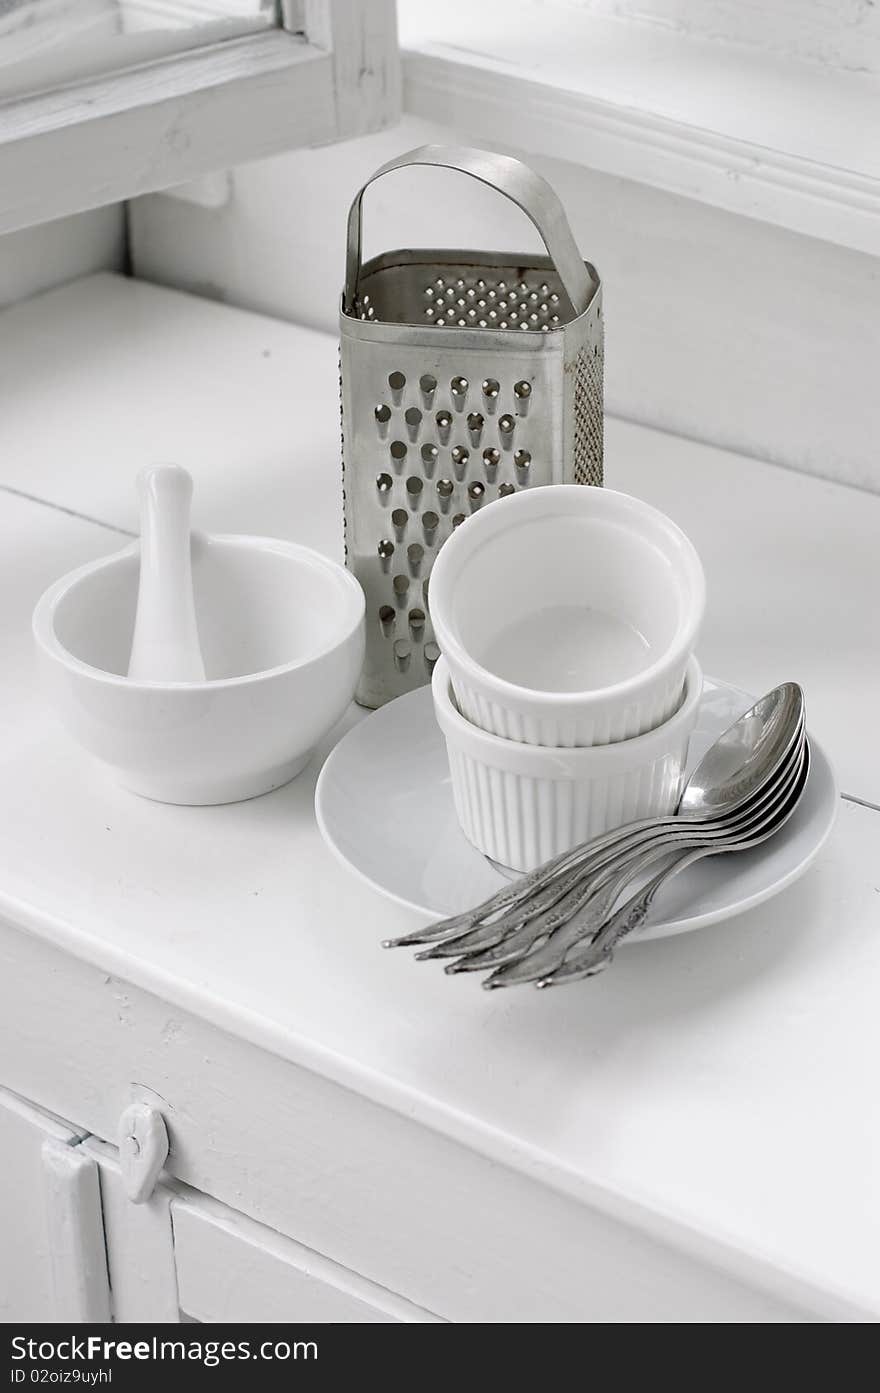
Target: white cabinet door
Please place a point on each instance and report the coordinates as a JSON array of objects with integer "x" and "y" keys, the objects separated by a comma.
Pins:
[
  {"x": 230, "y": 1268},
  {"x": 182, "y": 1256},
  {"x": 52, "y": 1261}
]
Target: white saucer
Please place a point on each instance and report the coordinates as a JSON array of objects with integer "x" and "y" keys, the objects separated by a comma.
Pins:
[{"x": 384, "y": 806}]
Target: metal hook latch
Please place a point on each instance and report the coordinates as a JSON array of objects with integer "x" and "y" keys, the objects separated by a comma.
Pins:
[{"x": 143, "y": 1149}]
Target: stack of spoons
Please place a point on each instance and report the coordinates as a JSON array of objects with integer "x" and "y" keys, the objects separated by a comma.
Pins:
[{"x": 562, "y": 921}]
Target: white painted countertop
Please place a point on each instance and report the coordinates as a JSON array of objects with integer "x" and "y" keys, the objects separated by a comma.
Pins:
[{"x": 724, "y": 1080}]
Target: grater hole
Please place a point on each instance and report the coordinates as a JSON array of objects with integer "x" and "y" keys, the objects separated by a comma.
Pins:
[
  {"x": 416, "y": 623},
  {"x": 397, "y": 450},
  {"x": 445, "y": 487},
  {"x": 430, "y": 522},
  {"x": 402, "y": 654},
  {"x": 384, "y": 483},
  {"x": 491, "y": 459},
  {"x": 428, "y": 384},
  {"x": 387, "y": 617},
  {"x": 429, "y": 456},
  {"x": 396, "y": 381},
  {"x": 506, "y": 425},
  {"x": 432, "y": 653},
  {"x": 399, "y": 519},
  {"x": 458, "y": 520},
  {"x": 460, "y": 457},
  {"x": 414, "y": 486},
  {"x": 475, "y": 422},
  {"x": 415, "y": 554},
  {"x": 382, "y": 414},
  {"x": 476, "y": 492},
  {"x": 385, "y": 549},
  {"x": 505, "y": 490},
  {"x": 400, "y": 585}
]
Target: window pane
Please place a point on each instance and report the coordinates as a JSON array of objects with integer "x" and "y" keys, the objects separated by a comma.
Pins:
[{"x": 44, "y": 43}]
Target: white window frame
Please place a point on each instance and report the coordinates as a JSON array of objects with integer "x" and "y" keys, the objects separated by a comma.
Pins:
[{"x": 329, "y": 71}]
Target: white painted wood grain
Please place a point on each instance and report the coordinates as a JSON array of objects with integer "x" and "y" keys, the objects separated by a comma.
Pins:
[
  {"x": 838, "y": 33},
  {"x": 231, "y": 1269},
  {"x": 163, "y": 123},
  {"x": 111, "y": 138},
  {"x": 139, "y": 1241},
  {"x": 719, "y": 327},
  {"x": 27, "y": 1290},
  {"x": 485, "y": 1232},
  {"x": 78, "y": 1261}
]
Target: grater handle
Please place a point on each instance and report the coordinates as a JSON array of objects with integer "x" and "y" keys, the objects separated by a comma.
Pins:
[{"x": 528, "y": 190}]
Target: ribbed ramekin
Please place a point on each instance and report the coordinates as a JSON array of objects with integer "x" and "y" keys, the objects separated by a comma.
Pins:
[
  {"x": 547, "y": 552},
  {"x": 521, "y": 804}
]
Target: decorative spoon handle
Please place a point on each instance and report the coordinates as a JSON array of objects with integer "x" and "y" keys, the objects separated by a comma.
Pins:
[{"x": 165, "y": 647}]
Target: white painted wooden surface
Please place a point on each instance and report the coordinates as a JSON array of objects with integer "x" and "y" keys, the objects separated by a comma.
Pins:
[
  {"x": 719, "y": 327},
  {"x": 78, "y": 1261},
  {"x": 49, "y": 1220},
  {"x": 670, "y": 1111},
  {"x": 756, "y": 132},
  {"x": 837, "y": 33},
  {"x": 115, "y": 136},
  {"x": 231, "y": 1269},
  {"x": 139, "y": 1238},
  {"x": 39, "y": 258},
  {"x": 510, "y": 1236},
  {"x": 46, "y": 44}
]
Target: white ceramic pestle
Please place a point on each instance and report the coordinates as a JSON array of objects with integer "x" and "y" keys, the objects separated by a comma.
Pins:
[{"x": 165, "y": 647}]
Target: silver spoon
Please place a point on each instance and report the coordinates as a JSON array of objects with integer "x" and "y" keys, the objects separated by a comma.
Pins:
[
  {"x": 513, "y": 933},
  {"x": 593, "y": 916},
  {"x": 739, "y": 764},
  {"x": 594, "y": 956}
]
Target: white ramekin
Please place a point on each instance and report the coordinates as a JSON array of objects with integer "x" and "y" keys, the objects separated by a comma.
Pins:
[
  {"x": 566, "y": 545},
  {"x": 521, "y": 804}
]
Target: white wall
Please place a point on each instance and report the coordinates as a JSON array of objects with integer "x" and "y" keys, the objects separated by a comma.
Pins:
[
  {"x": 719, "y": 327},
  {"x": 840, "y": 34},
  {"x": 40, "y": 257}
]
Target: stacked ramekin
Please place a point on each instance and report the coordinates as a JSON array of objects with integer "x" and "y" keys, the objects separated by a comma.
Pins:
[{"x": 567, "y": 691}]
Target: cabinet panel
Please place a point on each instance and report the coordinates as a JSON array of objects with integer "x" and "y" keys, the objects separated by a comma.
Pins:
[
  {"x": 230, "y": 1268},
  {"x": 52, "y": 1263}
]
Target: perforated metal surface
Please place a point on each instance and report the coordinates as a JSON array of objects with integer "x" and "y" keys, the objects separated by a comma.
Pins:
[
  {"x": 446, "y": 408},
  {"x": 588, "y": 413}
]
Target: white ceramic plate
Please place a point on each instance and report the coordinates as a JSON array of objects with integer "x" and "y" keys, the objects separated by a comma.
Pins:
[{"x": 384, "y": 806}]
